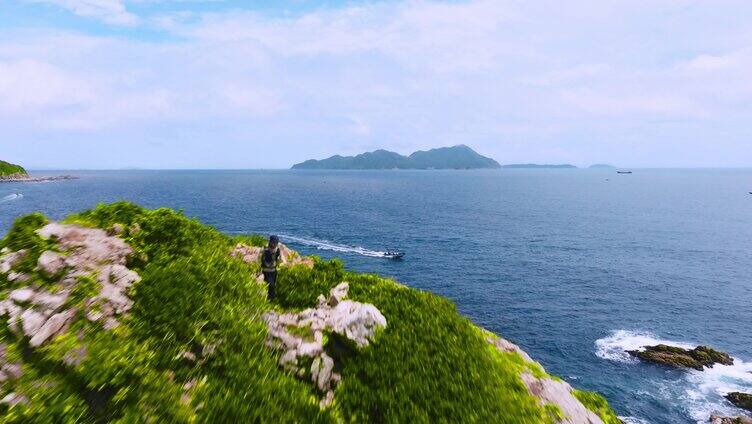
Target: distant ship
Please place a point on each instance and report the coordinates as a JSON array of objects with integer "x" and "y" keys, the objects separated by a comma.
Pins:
[{"x": 623, "y": 172}]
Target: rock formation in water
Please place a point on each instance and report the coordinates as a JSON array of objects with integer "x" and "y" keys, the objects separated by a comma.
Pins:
[
  {"x": 718, "y": 419},
  {"x": 740, "y": 400},
  {"x": 127, "y": 314},
  {"x": 697, "y": 358}
]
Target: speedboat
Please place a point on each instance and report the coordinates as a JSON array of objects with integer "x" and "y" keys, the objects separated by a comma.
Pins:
[{"x": 393, "y": 255}]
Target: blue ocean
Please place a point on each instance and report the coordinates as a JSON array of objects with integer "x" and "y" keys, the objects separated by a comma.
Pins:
[{"x": 574, "y": 266}]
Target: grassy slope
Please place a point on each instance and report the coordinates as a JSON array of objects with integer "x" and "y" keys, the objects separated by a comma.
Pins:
[
  {"x": 10, "y": 169},
  {"x": 429, "y": 365}
]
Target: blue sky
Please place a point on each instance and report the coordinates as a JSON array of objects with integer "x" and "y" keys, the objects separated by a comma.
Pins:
[{"x": 237, "y": 84}]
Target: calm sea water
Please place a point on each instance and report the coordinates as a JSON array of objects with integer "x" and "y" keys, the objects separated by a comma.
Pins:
[{"x": 574, "y": 266}]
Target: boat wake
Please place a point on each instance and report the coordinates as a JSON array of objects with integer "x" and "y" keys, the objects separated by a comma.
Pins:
[
  {"x": 700, "y": 392},
  {"x": 11, "y": 197},
  {"x": 334, "y": 247}
]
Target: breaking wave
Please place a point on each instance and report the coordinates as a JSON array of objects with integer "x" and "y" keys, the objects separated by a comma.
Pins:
[
  {"x": 701, "y": 392},
  {"x": 614, "y": 347}
]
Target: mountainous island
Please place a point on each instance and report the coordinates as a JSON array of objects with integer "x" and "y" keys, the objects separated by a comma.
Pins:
[
  {"x": 10, "y": 172},
  {"x": 456, "y": 157},
  {"x": 123, "y": 314}
]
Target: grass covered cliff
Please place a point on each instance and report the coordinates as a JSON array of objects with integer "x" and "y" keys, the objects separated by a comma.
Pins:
[
  {"x": 8, "y": 170},
  {"x": 122, "y": 314}
]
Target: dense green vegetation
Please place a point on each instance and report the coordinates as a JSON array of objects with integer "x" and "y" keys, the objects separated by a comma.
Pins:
[
  {"x": 7, "y": 168},
  {"x": 430, "y": 364},
  {"x": 599, "y": 405},
  {"x": 455, "y": 157}
]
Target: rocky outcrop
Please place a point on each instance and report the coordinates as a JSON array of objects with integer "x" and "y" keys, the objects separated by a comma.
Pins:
[
  {"x": 549, "y": 391},
  {"x": 697, "y": 358},
  {"x": 288, "y": 257},
  {"x": 740, "y": 400},
  {"x": 41, "y": 313},
  {"x": 300, "y": 335},
  {"x": 717, "y": 419}
]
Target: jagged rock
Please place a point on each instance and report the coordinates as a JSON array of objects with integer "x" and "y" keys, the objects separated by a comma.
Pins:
[
  {"x": 353, "y": 320},
  {"x": 11, "y": 371},
  {"x": 50, "y": 301},
  {"x": 740, "y": 400},
  {"x": 10, "y": 259},
  {"x": 717, "y": 419},
  {"x": 18, "y": 277},
  {"x": 288, "y": 257},
  {"x": 321, "y": 371},
  {"x": 547, "y": 390},
  {"x": 357, "y": 321},
  {"x": 327, "y": 400},
  {"x": 21, "y": 295},
  {"x": 507, "y": 346},
  {"x": 338, "y": 293},
  {"x": 55, "y": 324},
  {"x": 697, "y": 358},
  {"x": 51, "y": 262},
  {"x": 13, "y": 399},
  {"x": 118, "y": 275},
  {"x": 32, "y": 321},
  {"x": 249, "y": 254},
  {"x": 90, "y": 251},
  {"x": 559, "y": 393},
  {"x": 88, "y": 247}
]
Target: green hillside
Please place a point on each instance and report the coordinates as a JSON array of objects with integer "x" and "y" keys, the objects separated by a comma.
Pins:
[
  {"x": 153, "y": 320},
  {"x": 7, "y": 168}
]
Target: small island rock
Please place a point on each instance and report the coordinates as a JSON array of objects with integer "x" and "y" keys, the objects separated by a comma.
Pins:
[
  {"x": 740, "y": 400},
  {"x": 697, "y": 358}
]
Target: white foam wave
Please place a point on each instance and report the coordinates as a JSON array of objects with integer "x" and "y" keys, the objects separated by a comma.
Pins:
[
  {"x": 701, "y": 393},
  {"x": 634, "y": 420},
  {"x": 11, "y": 197},
  {"x": 335, "y": 247},
  {"x": 614, "y": 346},
  {"x": 707, "y": 388}
]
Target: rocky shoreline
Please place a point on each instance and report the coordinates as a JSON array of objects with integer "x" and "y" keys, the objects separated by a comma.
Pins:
[
  {"x": 30, "y": 179},
  {"x": 699, "y": 358}
]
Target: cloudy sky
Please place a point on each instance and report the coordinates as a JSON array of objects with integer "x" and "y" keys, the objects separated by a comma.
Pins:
[{"x": 264, "y": 84}]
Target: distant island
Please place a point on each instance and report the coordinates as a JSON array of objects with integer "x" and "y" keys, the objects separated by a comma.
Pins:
[
  {"x": 11, "y": 173},
  {"x": 456, "y": 157},
  {"x": 539, "y": 166},
  {"x": 9, "y": 170}
]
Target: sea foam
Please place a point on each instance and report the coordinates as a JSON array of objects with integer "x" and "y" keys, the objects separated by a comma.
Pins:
[{"x": 701, "y": 392}]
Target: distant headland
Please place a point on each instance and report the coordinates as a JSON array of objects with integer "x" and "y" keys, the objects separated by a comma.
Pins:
[
  {"x": 11, "y": 173},
  {"x": 455, "y": 157}
]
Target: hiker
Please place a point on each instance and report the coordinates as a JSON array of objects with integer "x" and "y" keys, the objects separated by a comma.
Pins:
[{"x": 270, "y": 258}]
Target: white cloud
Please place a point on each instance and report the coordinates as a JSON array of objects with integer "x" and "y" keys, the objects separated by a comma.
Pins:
[
  {"x": 508, "y": 77},
  {"x": 109, "y": 11}
]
